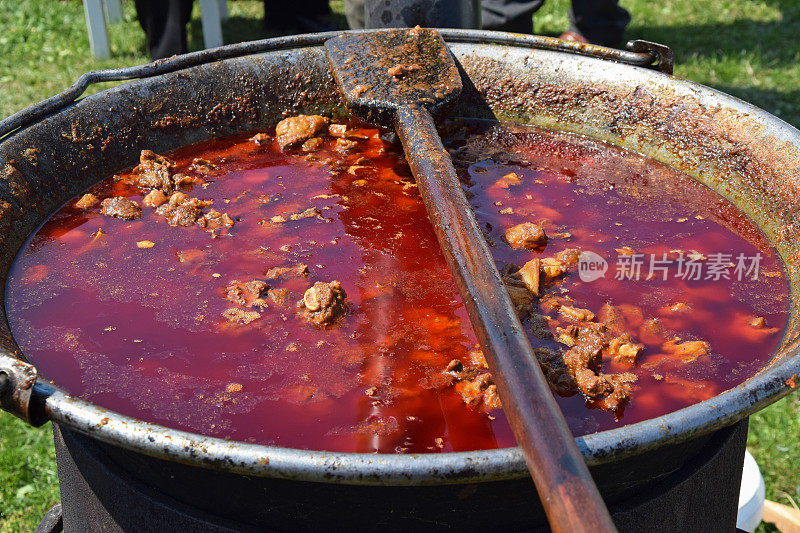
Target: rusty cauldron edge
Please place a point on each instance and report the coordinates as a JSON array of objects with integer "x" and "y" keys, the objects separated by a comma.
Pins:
[{"x": 747, "y": 155}]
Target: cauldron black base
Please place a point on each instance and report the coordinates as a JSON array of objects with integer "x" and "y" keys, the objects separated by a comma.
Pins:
[{"x": 101, "y": 492}]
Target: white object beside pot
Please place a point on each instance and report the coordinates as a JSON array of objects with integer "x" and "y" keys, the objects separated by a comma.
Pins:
[{"x": 751, "y": 496}]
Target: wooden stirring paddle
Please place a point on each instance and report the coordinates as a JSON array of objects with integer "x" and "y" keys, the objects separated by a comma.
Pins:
[{"x": 404, "y": 79}]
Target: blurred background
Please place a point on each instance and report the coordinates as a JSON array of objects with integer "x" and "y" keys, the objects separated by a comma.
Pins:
[{"x": 747, "y": 48}]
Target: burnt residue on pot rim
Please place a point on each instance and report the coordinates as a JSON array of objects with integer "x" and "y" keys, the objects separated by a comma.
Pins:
[{"x": 747, "y": 155}]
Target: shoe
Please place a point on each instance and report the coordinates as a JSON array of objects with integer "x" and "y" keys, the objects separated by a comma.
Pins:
[{"x": 573, "y": 36}]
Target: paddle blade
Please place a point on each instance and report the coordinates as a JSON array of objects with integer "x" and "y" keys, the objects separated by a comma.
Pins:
[{"x": 380, "y": 71}]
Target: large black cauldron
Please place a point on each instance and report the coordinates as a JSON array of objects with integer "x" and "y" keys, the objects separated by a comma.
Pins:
[{"x": 674, "y": 472}]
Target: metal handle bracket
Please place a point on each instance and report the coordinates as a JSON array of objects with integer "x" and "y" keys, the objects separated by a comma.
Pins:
[
  {"x": 662, "y": 53},
  {"x": 17, "y": 380}
]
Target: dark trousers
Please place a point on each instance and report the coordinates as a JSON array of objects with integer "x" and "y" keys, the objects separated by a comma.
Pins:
[
  {"x": 164, "y": 23},
  {"x": 285, "y": 13},
  {"x": 600, "y": 21}
]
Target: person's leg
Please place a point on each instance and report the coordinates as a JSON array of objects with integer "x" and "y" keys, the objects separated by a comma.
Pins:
[
  {"x": 295, "y": 15},
  {"x": 600, "y": 21},
  {"x": 509, "y": 15},
  {"x": 164, "y": 23}
]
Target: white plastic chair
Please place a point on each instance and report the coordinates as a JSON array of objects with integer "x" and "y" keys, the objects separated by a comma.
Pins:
[{"x": 99, "y": 13}]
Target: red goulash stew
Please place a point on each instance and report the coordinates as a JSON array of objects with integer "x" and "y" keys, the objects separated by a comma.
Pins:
[{"x": 288, "y": 289}]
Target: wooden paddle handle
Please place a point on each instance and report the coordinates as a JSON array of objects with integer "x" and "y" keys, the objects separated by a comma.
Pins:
[{"x": 566, "y": 488}]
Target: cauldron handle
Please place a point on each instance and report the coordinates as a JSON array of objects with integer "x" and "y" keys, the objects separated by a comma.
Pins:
[
  {"x": 20, "y": 394},
  {"x": 637, "y": 53}
]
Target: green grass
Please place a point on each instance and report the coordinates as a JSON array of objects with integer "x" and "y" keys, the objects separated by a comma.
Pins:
[
  {"x": 774, "y": 441},
  {"x": 748, "y": 48},
  {"x": 28, "y": 480}
]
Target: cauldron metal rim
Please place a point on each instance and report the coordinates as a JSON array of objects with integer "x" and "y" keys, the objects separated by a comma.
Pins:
[
  {"x": 408, "y": 469},
  {"x": 428, "y": 469}
]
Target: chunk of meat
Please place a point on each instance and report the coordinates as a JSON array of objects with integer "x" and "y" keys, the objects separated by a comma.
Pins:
[
  {"x": 213, "y": 219},
  {"x": 477, "y": 359},
  {"x": 311, "y": 212},
  {"x": 623, "y": 350},
  {"x": 549, "y": 303},
  {"x": 512, "y": 178},
  {"x": 203, "y": 166},
  {"x": 121, "y": 207},
  {"x": 552, "y": 268},
  {"x": 686, "y": 351},
  {"x": 299, "y": 269},
  {"x": 567, "y": 335},
  {"x": 634, "y": 317},
  {"x": 491, "y": 399},
  {"x": 240, "y": 316},
  {"x": 295, "y": 130},
  {"x": 256, "y": 287},
  {"x": 574, "y": 314},
  {"x": 522, "y": 299},
  {"x": 182, "y": 210},
  {"x": 678, "y": 307},
  {"x": 323, "y": 303},
  {"x": 530, "y": 275},
  {"x": 153, "y": 172},
  {"x": 279, "y": 297},
  {"x": 558, "y": 265},
  {"x": 260, "y": 138},
  {"x": 154, "y": 198},
  {"x": 520, "y": 295},
  {"x": 526, "y": 235},
  {"x": 579, "y": 367},
  {"x": 345, "y": 145},
  {"x": 87, "y": 200},
  {"x": 568, "y": 258},
  {"x": 472, "y": 390},
  {"x": 555, "y": 370},
  {"x": 183, "y": 179},
  {"x": 478, "y": 389},
  {"x": 539, "y": 326},
  {"x": 620, "y": 387},
  {"x": 234, "y": 293},
  {"x": 626, "y": 250},
  {"x": 583, "y": 361},
  {"x": 246, "y": 294},
  {"x": 587, "y": 350},
  {"x": 314, "y": 143},
  {"x": 337, "y": 130}
]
